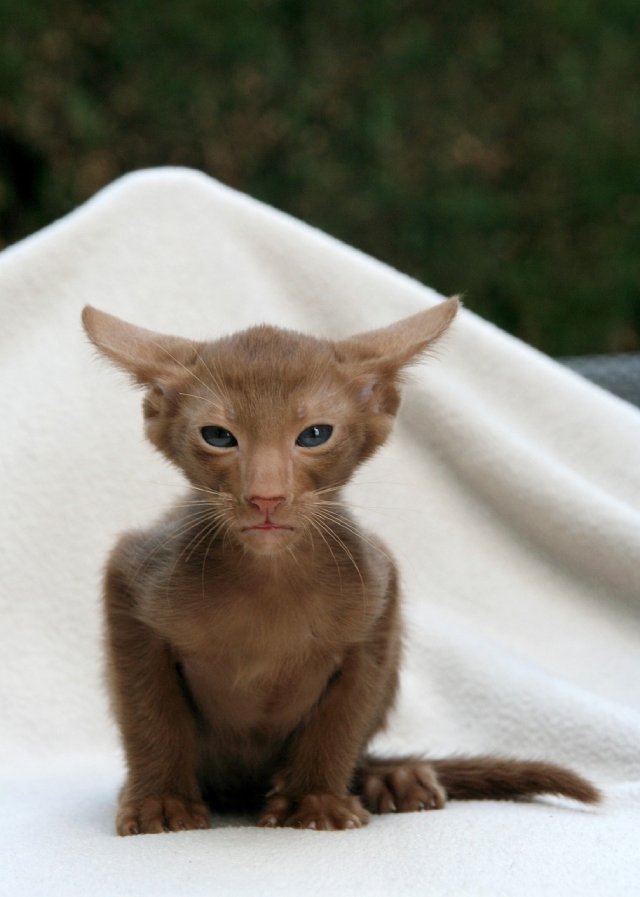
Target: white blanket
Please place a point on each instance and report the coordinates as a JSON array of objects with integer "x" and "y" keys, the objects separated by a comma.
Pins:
[{"x": 509, "y": 494}]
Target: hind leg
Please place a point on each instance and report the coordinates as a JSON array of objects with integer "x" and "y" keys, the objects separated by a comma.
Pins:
[{"x": 400, "y": 785}]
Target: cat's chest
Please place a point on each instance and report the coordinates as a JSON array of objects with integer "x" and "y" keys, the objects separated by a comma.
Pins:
[
  {"x": 239, "y": 636},
  {"x": 258, "y": 693},
  {"x": 252, "y": 662}
]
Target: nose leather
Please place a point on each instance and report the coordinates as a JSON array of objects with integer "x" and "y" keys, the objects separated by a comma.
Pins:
[{"x": 266, "y": 505}]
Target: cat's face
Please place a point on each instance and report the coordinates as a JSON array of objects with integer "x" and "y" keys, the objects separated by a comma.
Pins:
[
  {"x": 274, "y": 423},
  {"x": 268, "y": 424}
]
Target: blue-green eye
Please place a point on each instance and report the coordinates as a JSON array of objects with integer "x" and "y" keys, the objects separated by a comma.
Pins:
[
  {"x": 219, "y": 437},
  {"x": 315, "y": 435}
]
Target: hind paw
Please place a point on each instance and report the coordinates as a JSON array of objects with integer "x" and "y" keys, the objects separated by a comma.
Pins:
[{"x": 403, "y": 788}]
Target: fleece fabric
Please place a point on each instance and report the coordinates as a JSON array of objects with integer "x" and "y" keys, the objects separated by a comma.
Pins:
[{"x": 509, "y": 494}]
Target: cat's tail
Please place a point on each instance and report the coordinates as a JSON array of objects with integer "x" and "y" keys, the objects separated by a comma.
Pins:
[
  {"x": 497, "y": 778},
  {"x": 404, "y": 784}
]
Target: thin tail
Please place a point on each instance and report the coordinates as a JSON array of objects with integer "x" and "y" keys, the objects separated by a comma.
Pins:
[{"x": 498, "y": 778}]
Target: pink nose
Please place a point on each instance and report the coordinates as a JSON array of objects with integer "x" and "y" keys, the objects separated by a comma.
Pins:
[{"x": 266, "y": 505}]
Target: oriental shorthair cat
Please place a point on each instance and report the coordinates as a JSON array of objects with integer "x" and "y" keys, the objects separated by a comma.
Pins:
[{"x": 253, "y": 633}]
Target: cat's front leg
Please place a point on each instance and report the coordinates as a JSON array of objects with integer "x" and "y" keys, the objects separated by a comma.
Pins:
[
  {"x": 311, "y": 790},
  {"x": 157, "y": 726}
]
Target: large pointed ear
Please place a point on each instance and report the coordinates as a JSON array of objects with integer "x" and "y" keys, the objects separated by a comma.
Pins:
[
  {"x": 374, "y": 360},
  {"x": 392, "y": 348},
  {"x": 149, "y": 357}
]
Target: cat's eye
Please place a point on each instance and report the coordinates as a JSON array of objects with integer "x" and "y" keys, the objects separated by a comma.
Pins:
[
  {"x": 315, "y": 435},
  {"x": 218, "y": 437}
]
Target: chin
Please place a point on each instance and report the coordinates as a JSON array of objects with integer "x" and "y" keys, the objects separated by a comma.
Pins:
[{"x": 267, "y": 542}]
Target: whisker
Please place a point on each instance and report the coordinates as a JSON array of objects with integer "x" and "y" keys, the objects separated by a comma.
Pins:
[
  {"x": 186, "y": 485},
  {"x": 219, "y": 518},
  {"x": 210, "y": 491},
  {"x": 227, "y": 521},
  {"x": 324, "y": 489},
  {"x": 294, "y": 558},
  {"x": 204, "y": 526},
  {"x": 347, "y": 505},
  {"x": 215, "y": 405},
  {"x": 183, "y": 366},
  {"x": 321, "y": 534},
  {"x": 354, "y": 529},
  {"x": 183, "y": 528},
  {"x": 340, "y": 542},
  {"x": 217, "y": 377},
  {"x": 330, "y": 531}
]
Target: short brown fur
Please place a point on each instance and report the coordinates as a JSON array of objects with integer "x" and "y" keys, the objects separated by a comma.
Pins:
[{"x": 253, "y": 634}]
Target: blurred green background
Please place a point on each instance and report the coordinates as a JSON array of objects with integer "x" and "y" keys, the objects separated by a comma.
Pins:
[{"x": 490, "y": 148}]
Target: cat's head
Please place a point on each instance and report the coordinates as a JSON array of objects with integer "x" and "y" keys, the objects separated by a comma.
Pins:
[{"x": 269, "y": 423}]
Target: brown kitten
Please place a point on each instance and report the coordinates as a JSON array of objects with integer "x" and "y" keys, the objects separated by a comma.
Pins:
[{"x": 253, "y": 634}]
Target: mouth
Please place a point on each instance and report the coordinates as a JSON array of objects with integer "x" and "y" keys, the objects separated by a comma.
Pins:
[
  {"x": 267, "y": 537},
  {"x": 268, "y": 526}
]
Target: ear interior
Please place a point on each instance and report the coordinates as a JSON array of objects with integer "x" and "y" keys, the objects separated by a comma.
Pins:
[
  {"x": 151, "y": 358},
  {"x": 392, "y": 348},
  {"x": 375, "y": 359}
]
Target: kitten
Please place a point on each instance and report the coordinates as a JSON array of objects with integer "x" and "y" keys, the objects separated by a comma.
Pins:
[{"x": 253, "y": 634}]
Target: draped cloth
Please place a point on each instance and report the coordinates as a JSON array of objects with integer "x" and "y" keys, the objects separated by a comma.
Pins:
[{"x": 509, "y": 494}]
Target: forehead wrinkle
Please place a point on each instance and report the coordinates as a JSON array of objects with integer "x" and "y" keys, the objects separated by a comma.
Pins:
[
  {"x": 210, "y": 401},
  {"x": 266, "y": 392}
]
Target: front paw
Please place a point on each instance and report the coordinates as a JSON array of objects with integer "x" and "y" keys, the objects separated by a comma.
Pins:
[
  {"x": 168, "y": 813},
  {"x": 276, "y": 811},
  {"x": 325, "y": 812}
]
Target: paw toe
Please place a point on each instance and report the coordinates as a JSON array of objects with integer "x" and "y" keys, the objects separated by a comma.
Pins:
[
  {"x": 153, "y": 815},
  {"x": 328, "y": 812},
  {"x": 405, "y": 788}
]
